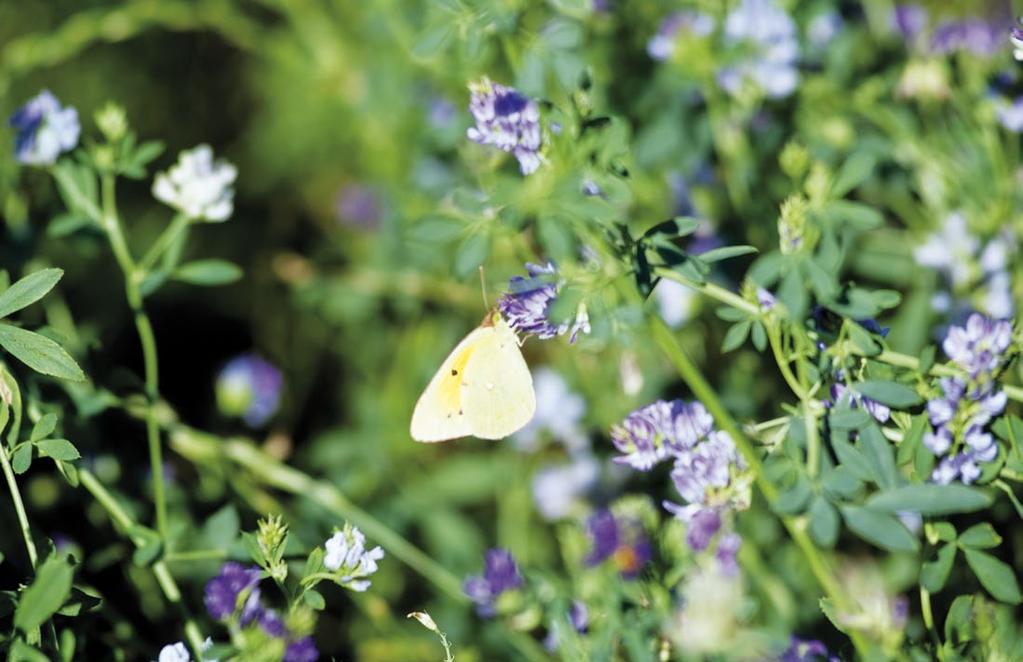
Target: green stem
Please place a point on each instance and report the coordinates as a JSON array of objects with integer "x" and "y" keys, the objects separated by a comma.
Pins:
[
  {"x": 196, "y": 555},
  {"x": 938, "y": 370},
  {"x": 123, "y": 521},
  {"x": 112, "y": 226},
  {"x": 163, "y": 242},
  {"x": 774, "y": 340},
  {"x": 19, "y": 507},
  {"x": 928, "y": 616},
  {"x": 705, "y": 394},
  {"x": 197, "y": 445},
  {"x": 710, "y": 289}
]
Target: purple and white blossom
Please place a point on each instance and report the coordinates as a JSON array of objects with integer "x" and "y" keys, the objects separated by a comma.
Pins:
[
  {"x": 249, "y": 386},
  {"x": 981, "y": 37},
  {"x": 197, "y": 186},
  {"x": 45, "y": 130},
  {"x": 806, "y": 650},
  {"x": 620, "y": 539},
  {"x": 979, "y": 346},
  {"x": 910, "y": 20},
  {"x": 500, "y": 574},
  {"x": 507, "y": 120},
  {"x": 659, "y": 430},
  {"x": 224, "y": 592},
  {"x": 839, "y": 391},
  {"x": 348, "y": 557},
  {"x": 526, "y": 306},
  {"x": 766, "y": 29}
]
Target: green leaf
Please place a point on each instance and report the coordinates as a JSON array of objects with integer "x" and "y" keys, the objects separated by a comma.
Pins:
[
  {"x": 149, "y": 552},
  {"x": 44, "y": 427},
  {"x": 726, "y": 252},
  {"x": 856, "y": 169},
  {"x": 852, "y": 459},
  {"x": 48, "y": 591},
  {"x": 736, "y": 335},
  {"x": 436, "y": 229},
  {"x": 208, "y": 272},
  {"x": 994, "y": 575},
  {"x": 858, "y": 216},
  {"x": 846, "y": 418},
  {"x": 840, "y": 482},
  {"x": 863, "y": 341},
  {"x": 471, "y": 253},
  {"x": 432, "y": 41},
  {"x": 58, "y": 449},
  {"x": 21, "y": 459},
  {"x": 930, "y": 499},
  {"x": 880, "y": 529},
  {"x": 794, "y": 499},
  {"x": 893, "y": 394},
  {"x": 934, "y": 574},
  {"x": 980, "y": 536},
  {"x": 314, "y": 599},
  {"x": 759, "y": 336},
  {"x": 680, "y": 226},
  {"x": 28, "y": 290},
  {"x": 879, "y": 453},
  {"x": 824, "y": 522},
  {"x": 22, "y": 652},
  {"x": 945, "y": 531},
  {"x": 221, "y": 528},
  {"x": 39, "y": 353},
  {"x": 959, "y": 619},
  {"x": 792, "y": 293}
]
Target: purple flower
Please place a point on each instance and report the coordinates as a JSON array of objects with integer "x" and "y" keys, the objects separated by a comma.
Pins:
[
  {"x": 652, "y": 433},
  {"x": 358, "y": 205},
  {"x": 764, "y": 27},
  {"x": 805, "y": 650},
  {"x": 910, "y": 20},
  {"x": 526, "y": 306},
  {"x": 622, "y": 540},
  {"x": 579, "y": 617},
  {"x": 271, "y": 623},
  {"x": 250, "y": 387},
  {"x": 958, "y": 417},
  {"x": 500, "y": 574},
  {"x": 727, "y": 553},
  {"x": 980, "y": 37},
  {"x": 979, "y": 346},
  {"x": 662, "y": 45},
  {"x": 301, "y": 650},
  {"x": 45, "y": 130},
  {"x": 506, "y": 120},
  {"x": 765, "y": 299},
  {"x": 704, "y": 468},
  {"x": 224, "y": 590},
  {"x": 703, "y": 526}
]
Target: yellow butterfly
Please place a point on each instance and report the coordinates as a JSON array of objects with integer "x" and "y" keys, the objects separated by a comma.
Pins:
[{"x": 482, "y": 389}]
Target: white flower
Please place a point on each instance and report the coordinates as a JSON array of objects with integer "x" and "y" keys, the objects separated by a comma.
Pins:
[
  {"x": 174, "y": 653},
  {"x": 674, "y": 301},
  {"x": 197, "y": 186},
  {"x": 347, "y": 555}
]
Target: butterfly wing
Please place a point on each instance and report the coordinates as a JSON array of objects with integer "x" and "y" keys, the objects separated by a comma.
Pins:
[
  {"x": 497, "y": 393},
  {"x": 439, "y": 413}
]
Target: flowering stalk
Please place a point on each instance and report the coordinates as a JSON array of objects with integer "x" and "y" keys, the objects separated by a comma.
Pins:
[
  {"x": 196, "y": 444},
  {"x": 126, "y": 524},
  {"x": 112, "y": 226},
  {"x": 705, "y": 394}
]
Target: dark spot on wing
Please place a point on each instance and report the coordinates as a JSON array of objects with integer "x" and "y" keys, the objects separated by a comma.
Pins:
[{"x": 454, "y": 373}]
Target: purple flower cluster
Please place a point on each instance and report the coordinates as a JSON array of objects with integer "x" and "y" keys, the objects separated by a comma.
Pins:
[
  {"x": 238, "y": 583},
  {"x": 771, "y": 33},
  {"x": 45, "y": 130},
  {"x": 839, "y": 391},
  {"x": 500, "y": 574},
  {"x": 662, "y": 45},
  {"x": 660, "y": 430},
  {"x": 525, "y": 307},
  {"x": 806, "y": 650},
  {"x": 507, "y": 120},
  {"x": 249, "y": 386},
  {"x": 960, "y": 415},
  {"x": 620, "y": 539},
  {"x": 980, "y": 37}
]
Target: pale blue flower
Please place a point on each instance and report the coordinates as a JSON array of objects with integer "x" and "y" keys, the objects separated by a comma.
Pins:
[
  {"x": 347, "y": 555},
  {"x": 559, "y": 414},
  {"x": 45, "y": 130},
  {"x": 771, "y": 33},
  {"x": 662, "y": 45},
  {"x": 558, "y": 489},
  {"x": 1010, "y": 115}
]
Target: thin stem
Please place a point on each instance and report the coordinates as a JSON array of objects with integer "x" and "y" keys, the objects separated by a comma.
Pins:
[
  {"x": 710, "y": 289},
  {"x": 774, "y": 340},
  {"x": 197, "y": 445},
  {"x": 19, "y": 507},
  {"x": 925, "y": 610},
  {"x": 163, "y": 242},
  {"x": 705, "y": 394},
  {"x": 196, "y": 555},
  {"x": 112, "y": 226},
  {"x": 123, "y": 521},
  {"x": 938, "y": 370}
]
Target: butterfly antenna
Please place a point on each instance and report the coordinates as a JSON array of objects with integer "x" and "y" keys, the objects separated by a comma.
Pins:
[{"x": 483, "y": 287}]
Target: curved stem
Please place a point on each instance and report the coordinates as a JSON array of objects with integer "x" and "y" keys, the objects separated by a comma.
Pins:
[
  {"x": 123, "y": 521},
  {"x": 705, "y": 394},
  {"x": 19, "y": 507},
  {"x": 112, "y": 226},
  {"x": 163, "y": 242}
]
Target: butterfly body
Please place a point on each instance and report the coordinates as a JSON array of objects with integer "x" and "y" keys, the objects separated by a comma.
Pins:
[{"x": 483, "y": 389}]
